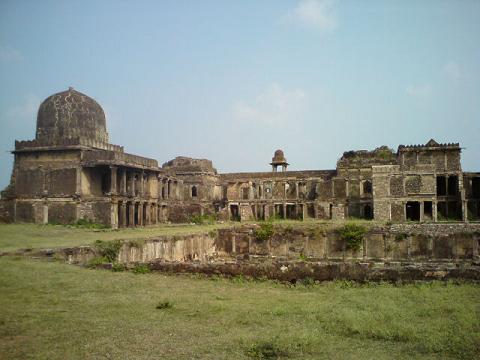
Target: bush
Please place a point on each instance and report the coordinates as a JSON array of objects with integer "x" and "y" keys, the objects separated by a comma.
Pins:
[
  {"x": 400, "y": 237},
  {"x": 265, "y": 232},
  {"x": 109, "y": 249},
  {"x": 352, "y": 234},
  {"x": 118, "y": 267},
  {"x": 265, "y": 350},
  {"x": 164, "y": 305},
  {"x": 85, "y": 223},
  {"x": 141, "y": 269},
  {"x": 202, "y": 219},
  {"x": 96, "y": 261}
]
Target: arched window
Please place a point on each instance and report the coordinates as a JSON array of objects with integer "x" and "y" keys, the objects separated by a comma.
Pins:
[
  {"x": 367, "y": 187},
  {"x": 194, "y": 191}
]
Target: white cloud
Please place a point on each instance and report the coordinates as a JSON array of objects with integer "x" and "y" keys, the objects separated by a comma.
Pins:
[
  {"x": 8, "y": 54},
  {"x": 419, "y": 90},
  {"x": 26, "y": 110},
  {"x": 273, "y": 106},
  {"x": 453, "y": 72},
  {"x": 318, "y": 14}
]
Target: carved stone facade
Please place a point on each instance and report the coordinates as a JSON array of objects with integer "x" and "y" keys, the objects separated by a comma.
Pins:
[{"x": 70, "y": 171}]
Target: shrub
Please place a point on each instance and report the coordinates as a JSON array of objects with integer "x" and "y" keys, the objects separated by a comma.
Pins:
[
  {"x": 109, "y": 249},
  {"x": 164, "y": 305},
  {"x": 202, "y": 219},
  {"x": 266, "y": 350},
  {"x": 85, "y": 223},
  {"x": 136, "y": 243},
  {"x": 265, "y": 232},
  {"x": 141, "y": 269},
  {"x": 96, "y": 261},
  {"x": 352, "y": 234},
  {"x": 118, "y": 267},
  {"x": 400, "y": 237}
]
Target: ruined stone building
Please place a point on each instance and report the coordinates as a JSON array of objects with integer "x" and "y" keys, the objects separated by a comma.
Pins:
[{"x": 70, "y": 171}]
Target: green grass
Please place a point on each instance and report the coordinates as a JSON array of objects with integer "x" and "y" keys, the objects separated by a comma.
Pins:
[
  {"x": 30, "y": 236},
  {"x": 50, "y": 310}
]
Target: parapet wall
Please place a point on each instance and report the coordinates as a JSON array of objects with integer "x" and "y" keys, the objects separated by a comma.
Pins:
[{"x": 398, "y": 252}]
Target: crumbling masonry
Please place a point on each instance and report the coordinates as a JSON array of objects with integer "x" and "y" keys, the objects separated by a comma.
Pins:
[{"x": 70, "y": 171}]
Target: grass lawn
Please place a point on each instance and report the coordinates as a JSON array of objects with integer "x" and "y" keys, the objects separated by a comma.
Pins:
[
  {"x": 31, "y": 236},
  {"x": 49, "y": 310}
]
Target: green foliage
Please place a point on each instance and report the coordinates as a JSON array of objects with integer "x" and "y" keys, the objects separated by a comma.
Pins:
[
  {"x": 108, "y": 249},
  {"x": 384, "y": 153},
  {"x": 96, "y": 261},
  {"x": 265, "y": 232},
  {"x": 352, "y": 234},
  {"x": 307, "y": 282},
  {"x": 213, "y": 233},
  {"x": 85, "y": 223},
  {"x": 141, "y": 269},
  {"x": 266, "y": 350},
  {"x": 136, "y": 243},
  {"x": 202, "y": 219},
  {"x": 118, "y": 267},
  {"x": 400, "y": 237},
  {"x": 163, "y": 305},
  {"x": 302, "y": 257}
]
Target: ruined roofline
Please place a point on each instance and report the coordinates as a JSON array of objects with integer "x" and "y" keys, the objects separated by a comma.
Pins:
[
  {"x": 282, "y": 174},
  {"x": 431, "y": 145},
  {"x": 58, "y": 144}
]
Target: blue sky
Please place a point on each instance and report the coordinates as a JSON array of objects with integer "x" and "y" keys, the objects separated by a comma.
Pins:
[{"x": 234, "y": 80}]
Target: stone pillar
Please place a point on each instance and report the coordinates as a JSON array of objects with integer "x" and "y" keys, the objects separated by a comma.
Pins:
[
  {"x": 304, "y": 211},
  {"x": 132, "y": 183},
  {"x": 464, "y": 211},
  {"x": 422, "y": 210},
  {"x": 131, "y": 215},
  {"x": 113, "y": 180},
  {"x": 123, "y": 215},
  {"x": 78, "y": 182},
  {"x": 296, "y": 190},
  {"x": 434, "y": 211},
  {"x": 147, "y": 214},
  {"x": 284, "y": 210},
  {"x": 123, "y": 188},
  {"x": 114, "y": 215},
  {"x": 142, "y": 183},
  {"x": 140, "y": 214}
]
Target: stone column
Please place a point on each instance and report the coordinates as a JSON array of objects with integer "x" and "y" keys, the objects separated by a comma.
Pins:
[
  {"x": 147, "y": 214},
  {"x": 114, "y": 215},
  {"x": 113, "y": 180},
  {"x": 140, "y": 214},
  {"x": 131, "y": 215},
  {"x": 123, "y": 215},
  {"x": 434, "y": 211},
  {"x": 132, "y": 183},
  {"x": 422, "y": 210},
  {"x": 464, "y": 211},
  {"x": 78, "y": 183},
  {"x": 142, "y": 183},
  {"x": 284, "y": 210},
  {"x": 124, "y": 182}
]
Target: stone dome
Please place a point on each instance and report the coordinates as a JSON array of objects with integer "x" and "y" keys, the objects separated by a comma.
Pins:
[
  {"x": 279, "y": 157},
  {"x": 71, "y": 115}
]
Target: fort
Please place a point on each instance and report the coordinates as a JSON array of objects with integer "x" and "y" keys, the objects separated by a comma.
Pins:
[{"x": 71, "y": 171}]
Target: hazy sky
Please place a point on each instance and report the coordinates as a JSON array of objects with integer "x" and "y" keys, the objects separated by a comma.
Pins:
[{"x": 232, "y": 81}]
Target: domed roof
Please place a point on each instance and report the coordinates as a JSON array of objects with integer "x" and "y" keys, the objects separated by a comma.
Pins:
[
  {"x": 69, "y": 115},
  {"x": 279, "y": 157}
]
